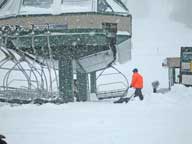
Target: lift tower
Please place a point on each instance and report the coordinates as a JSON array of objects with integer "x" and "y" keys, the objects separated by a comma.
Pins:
[{"x": 58, "y": 39}]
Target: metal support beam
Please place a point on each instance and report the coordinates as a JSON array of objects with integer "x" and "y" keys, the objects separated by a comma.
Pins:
[
  {"x": 82, "y": 86},
  {"x": 93, "y": 82},
  {"x": 66, "y": 79}
]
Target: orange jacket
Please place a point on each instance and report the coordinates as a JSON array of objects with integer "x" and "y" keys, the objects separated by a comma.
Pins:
[{"x": 137, "y": 80}]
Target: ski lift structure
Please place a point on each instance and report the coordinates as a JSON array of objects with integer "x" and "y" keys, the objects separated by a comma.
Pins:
[{"x": 47, "y": 44}]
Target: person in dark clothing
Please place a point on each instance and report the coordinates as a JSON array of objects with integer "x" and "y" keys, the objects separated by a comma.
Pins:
[{"x": 137, "y": 83}]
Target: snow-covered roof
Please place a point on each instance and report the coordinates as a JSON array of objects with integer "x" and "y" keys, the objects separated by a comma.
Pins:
[{"x": 10, "y": 8}]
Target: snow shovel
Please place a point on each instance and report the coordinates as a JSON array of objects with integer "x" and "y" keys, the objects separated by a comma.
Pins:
[{"x": 124, "y": 99}]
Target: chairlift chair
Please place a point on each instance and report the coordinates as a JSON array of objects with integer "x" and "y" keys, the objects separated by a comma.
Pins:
[{"x": 113, "y": 89}]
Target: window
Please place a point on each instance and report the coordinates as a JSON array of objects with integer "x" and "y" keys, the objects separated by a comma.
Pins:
[
  {"x": 2, "y": 3},
  {"x": 103, "y": 6},
  {"x": 74, "y": 1},
  {"x": 38, "y": 3},
  {"x": 77, "y": 5},
  {"x": 82, "y": 3},
  {"x": 114, "y": 6}
]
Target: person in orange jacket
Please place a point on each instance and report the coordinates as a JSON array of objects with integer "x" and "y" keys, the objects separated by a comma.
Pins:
[{"x": 137, "y": 83}]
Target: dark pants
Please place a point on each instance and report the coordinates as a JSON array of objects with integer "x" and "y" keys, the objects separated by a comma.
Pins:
[
  {"x": 138, "y": 92},
  {"x": 2, "y": 141}
]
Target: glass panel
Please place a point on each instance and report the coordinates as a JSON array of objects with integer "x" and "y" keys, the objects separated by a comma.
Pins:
[
  {"x": 103, "y": 6},
  {"x": 2, "y": 3},
  {"x": 75, "y": 1},
  {"x": 114, "y": 6},
  {"x": 38, "y": 3},
  {"x": 77, "y": 5}
]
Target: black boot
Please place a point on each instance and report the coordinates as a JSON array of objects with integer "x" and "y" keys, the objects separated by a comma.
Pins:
[{"x": 141, "y": 97}]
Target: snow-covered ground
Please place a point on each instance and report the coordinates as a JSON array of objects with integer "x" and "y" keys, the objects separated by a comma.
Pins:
[{"x": 159, "y": 119}]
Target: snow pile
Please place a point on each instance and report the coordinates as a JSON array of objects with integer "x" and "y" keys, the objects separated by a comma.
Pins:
[{"x": 179, "y": 95}]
